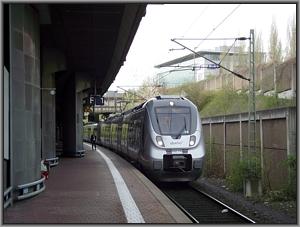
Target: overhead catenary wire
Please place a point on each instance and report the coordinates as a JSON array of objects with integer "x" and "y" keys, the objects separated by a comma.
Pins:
[
  {"x": 234, "y": 73},
  {"x": 219, "y": 25},
  {"x": 228, "y": 51},
  {"x": 191, "y": 25}
]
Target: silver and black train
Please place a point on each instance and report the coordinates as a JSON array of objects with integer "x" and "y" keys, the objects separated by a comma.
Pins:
[{"x": 162, "y": 135}]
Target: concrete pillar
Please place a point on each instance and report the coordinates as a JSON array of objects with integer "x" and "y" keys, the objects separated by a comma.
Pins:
[
  {"x": 79, "y": 118},
  {"x": 48, "y": 119},
  {"x": 82, "y": 83},
  {"x": 71, "y": 111},
  {"x": 291, "y": 119},
  {"x": 25, "y": 98},
  {"x": 68, "y": 111},
  {"x": 53, "y": 61}
]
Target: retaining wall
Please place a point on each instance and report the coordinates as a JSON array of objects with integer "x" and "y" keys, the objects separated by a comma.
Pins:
[
  {"x": 268, "y": 77},
  {"x": 226, "y": 139}
]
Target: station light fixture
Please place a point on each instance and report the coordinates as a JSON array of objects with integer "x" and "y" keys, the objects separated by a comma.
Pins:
[{"x": 52, "y": 90}]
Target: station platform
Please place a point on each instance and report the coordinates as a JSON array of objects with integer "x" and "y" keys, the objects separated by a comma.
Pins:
[{"x": 100, "y": 187}]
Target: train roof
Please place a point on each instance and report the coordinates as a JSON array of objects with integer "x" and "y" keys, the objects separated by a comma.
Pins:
[
  {"x": 161, "y": 97},
  {"x": 142, "y": 105}
]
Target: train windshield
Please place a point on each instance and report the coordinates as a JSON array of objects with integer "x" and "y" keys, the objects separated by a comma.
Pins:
[{"x": 173, "y": 121}]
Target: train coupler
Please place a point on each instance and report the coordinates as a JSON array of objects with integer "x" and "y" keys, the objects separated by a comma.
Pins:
[{"x": 176, "y": 163}]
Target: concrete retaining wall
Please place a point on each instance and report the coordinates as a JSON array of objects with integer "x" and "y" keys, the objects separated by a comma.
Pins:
[
  {"x": 226, "y": 140},
  {"x": 269, "y": 78}
]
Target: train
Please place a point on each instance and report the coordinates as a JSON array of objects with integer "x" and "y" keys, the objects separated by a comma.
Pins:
[{"x": 163, "y": 136}]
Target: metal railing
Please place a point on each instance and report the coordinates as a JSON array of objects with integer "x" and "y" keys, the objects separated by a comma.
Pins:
[
  {"x": 31, "y": 189},
  {"x": 80, "y": 153},
  {"x": 7, "y": 197},
  {"x": 52, "y": 161}
]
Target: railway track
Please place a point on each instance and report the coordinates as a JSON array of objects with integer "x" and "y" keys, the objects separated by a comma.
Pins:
[{"x": 202, "y": 208}]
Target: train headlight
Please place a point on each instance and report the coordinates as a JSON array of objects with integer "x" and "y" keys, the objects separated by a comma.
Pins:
[
  {"x": 159, "y": 141},
  {"x": 192, "y": 140}
]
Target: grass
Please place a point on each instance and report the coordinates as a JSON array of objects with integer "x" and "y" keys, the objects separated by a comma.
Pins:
[{"x": 226, "y": 101}]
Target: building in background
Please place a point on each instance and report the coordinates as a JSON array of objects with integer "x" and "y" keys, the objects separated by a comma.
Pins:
[{"x": 193, "y": 68}]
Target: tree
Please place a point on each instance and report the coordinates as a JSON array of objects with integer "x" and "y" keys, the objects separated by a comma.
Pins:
[
  {"x": 240, "y": 58},
  {"x": 242, "y": 54},
  {"x": 258, "y": 49},
  {"x": 275, "y": 49},
  {"x": 149, "y": 89},
  {"x": 291, "y": 34},
  {"x": 131, "y": 99}
]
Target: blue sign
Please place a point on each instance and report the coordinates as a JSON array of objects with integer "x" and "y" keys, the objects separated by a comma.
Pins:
[{"x": 97, "y": 99}]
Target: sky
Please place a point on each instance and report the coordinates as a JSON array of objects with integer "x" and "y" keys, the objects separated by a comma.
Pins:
[{"x": 163, "y": 22}]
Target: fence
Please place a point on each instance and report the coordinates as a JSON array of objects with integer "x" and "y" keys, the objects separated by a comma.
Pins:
[{"x": 226, "y": 140}]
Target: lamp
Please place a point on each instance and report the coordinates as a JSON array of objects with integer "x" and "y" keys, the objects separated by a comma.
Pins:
[{"x": 51, "y": 89}]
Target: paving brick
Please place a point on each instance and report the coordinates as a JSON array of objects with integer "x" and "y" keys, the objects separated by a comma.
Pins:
[{"x": 82, "y": 190}]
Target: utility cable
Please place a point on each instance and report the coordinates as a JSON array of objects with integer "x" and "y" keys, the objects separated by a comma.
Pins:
[
  {"x": 234, "y": 73},
  {"x": 219, "y": 24},
  {"x": 201, "y": 13},
  {"x": 227, "y": 51}
]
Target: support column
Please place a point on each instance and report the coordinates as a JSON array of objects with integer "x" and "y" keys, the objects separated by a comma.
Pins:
[
  {"x": 79, "y": 123},
  {"x": 52, "y": 61},
  {"x": 83, "y": 82},
  {"x": 25, "y": 98},
  {"x": 68, "y": 113}
]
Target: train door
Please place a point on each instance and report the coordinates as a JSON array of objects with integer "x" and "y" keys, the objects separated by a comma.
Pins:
[
  {"x": 119, "y": 134},
  {"x": 98, "y": 134},
  {"x": 124, "y": 138}
]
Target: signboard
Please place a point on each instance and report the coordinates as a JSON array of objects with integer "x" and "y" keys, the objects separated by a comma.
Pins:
[{"x": 97, "y": 99}]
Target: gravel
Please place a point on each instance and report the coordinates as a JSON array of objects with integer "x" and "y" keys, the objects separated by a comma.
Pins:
[{"x": 259, "y": 211}]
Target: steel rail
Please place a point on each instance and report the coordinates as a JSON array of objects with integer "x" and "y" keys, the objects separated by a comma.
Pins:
[{"x": 223, "y": 204}]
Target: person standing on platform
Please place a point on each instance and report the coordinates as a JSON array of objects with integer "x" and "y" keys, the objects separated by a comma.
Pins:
[{"x": 93, "y": 141}]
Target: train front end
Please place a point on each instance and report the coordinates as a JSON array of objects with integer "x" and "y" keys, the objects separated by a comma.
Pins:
[{"x": 174, "y": 144}]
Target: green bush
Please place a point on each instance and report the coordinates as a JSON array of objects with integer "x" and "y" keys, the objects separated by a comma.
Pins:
[
  {"x": 291, "y": 188},
  {"x": 235, "y": 178},
  {"x": 276, "y": 196},
  {"x": 209, "y": 169},
  {"x": 226, "y": 100},
  {"x": 241, "y": 170}
]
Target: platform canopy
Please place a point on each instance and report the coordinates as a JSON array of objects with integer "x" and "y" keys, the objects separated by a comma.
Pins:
[{"x": 94, "y": 37}]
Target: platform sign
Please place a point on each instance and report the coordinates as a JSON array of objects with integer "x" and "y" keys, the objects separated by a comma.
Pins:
[
  {"x": 97, "y": 99},
  {"x": 91, "y": 100}
]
